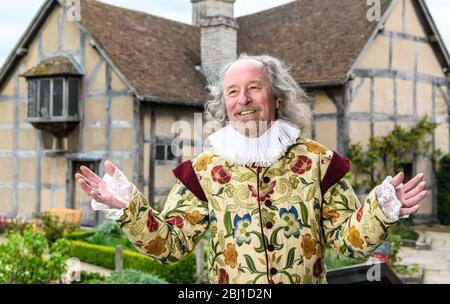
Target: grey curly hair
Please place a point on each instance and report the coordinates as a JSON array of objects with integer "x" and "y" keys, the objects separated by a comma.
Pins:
[{"x": 294, "y": 102}]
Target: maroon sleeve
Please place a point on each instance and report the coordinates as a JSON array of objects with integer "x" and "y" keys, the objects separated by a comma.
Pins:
[
  {"x": 187, "y": 176},
  {"x": 337, "y": 169}
]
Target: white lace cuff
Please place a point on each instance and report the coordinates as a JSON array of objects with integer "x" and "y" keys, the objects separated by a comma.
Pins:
[
  {"x": 387, "y": 200},
  {"x": 119, "y": 187}
]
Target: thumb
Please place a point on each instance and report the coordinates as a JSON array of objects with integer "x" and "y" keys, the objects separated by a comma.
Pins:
[
  {"x": 398, "y": 179},
  {"x": 109, "y": 168}
]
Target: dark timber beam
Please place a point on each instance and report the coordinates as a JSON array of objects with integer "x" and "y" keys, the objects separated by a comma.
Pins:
[{"x": 404, "y": 75}]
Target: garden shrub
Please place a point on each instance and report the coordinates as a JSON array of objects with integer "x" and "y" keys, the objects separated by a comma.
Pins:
[
  {"x": 52, "y": 227},
  {"x": 15, "y": 225},
  {"x": 332, "y": 261},
  {"x": 22, "y": 260},
  {"x": 403, "y": 229},
  {"x": 443, "y": 189},
  {"x": 133, "y": 276},
  {"x": 79, "y": 235},
  {"x": 180, "y": 272},
  {"x": 109, "y": 234}
]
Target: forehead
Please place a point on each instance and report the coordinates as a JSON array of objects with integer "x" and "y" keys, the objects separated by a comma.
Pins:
[{"x": 244, "y": 71}]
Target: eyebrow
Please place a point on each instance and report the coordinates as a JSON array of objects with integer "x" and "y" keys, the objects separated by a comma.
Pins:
[{"x": 251, "y": 82}]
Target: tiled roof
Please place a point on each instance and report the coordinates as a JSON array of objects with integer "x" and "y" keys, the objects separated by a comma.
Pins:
[
  {"x": 319, "y": 39},
  {"x": 157, "y": 55},
  {"x": 52, "y": 67}
]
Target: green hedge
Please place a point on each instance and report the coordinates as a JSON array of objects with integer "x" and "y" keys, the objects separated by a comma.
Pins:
[
  {"x": 79, "y": 235},
  {"x": 179, "y": 272},
  {"x": 443, "y": 190}
]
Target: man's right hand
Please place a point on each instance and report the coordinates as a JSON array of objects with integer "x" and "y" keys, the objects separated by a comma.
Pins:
[{"x": 96, "y": 188}]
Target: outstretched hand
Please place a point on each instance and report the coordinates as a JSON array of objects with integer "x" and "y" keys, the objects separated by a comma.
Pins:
[
  {"x": 95, "y": 187},
  {"x": 410, "y": 194}
]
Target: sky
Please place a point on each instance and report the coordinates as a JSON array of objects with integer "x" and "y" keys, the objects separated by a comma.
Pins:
[{"x": 16, "y": 15}]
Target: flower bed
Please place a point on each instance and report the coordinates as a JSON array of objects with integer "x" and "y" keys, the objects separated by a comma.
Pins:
[{"x": 410, "y": 274}]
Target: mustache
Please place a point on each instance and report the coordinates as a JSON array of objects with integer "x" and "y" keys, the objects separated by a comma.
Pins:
[{"x": 241, "y": 109}]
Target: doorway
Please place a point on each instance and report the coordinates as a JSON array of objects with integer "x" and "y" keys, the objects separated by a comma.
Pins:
[{"x": 80, "y": 200}]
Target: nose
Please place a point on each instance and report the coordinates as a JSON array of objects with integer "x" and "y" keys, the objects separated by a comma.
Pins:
[{"x": 244, "y": 98}]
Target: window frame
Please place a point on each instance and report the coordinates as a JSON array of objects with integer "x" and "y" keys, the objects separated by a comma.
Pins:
[
  {"x": 166, "y": 142},
  {"x": 65, "y": 99}
]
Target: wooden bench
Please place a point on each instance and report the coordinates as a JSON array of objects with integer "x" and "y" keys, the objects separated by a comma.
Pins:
[{"x": 68, "y": 216}]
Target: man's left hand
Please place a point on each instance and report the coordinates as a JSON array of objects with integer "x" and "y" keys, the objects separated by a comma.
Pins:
[{"x": 410, "y": 194}]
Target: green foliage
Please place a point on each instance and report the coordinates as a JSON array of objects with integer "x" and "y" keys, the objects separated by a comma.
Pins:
[
  {"x": 90, "y": 278},
  {"x": 128, "y": 276},
  {"x": 403, "y": 229},
  {"x": 22, "y": 260},
  {"x": 53, "y": 227},
  {"x": 132, "y": 276},
  {"x": 332, "y": 261},
  {"x": 396, "y": 242},
  {"x": 388, "y": 155},
  {"x": 14, "y": 225},
  {"x": 109, "y": 234},
  {"x": 443, "y": 189},
  {"x": 406, "y": 269},
  {"x": 180, "y": 272},
  {"x": 79, "y": 235}
]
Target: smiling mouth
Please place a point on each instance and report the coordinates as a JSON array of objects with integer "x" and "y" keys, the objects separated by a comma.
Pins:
[{"x": 246, "y": 113}]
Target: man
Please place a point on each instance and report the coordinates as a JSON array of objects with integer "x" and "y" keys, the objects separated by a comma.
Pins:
[{"x": 273, "y": 199}]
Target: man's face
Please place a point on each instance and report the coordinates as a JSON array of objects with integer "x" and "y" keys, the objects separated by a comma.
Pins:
[{"x": 247, "y": 93}]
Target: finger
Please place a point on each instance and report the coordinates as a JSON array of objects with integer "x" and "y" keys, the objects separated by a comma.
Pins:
[
  {"x": 109, "y": 168},
  {"x": 97, "y": 196},
  {"x": 415, "y": 199},
  {"x": 90, "y": 175},
  {"x": 413, "y": 182},
  {"x": 88, "y": 189},
  {"x": 397, "y": 180},
  {"x": 408, "y": 211},
  {"x": 88, "y": 181},
  {"x": 416, "y": 190}
]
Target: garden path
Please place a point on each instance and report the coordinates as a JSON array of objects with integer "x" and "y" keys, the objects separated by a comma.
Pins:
[{"x": 435, "y": 261}]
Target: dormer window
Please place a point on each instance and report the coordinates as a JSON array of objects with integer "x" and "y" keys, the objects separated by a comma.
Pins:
[{"x": 54, "y": 90}]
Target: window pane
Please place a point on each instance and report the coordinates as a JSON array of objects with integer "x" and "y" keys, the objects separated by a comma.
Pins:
[
  {"x": 44, "y": 98},
  {"x": 170, "y": 155},
  {"x": 32, "y": 98},
  {"x": 74, "y": 92},
  {"x": 160, "y": 152},
  {"x": 57, "y": 97}
]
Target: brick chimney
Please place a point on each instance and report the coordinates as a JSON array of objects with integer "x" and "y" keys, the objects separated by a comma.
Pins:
[{"x": 218, "y": 33}]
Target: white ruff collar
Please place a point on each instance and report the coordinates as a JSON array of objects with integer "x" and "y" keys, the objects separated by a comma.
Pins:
[{"x": 263, "y": 151}]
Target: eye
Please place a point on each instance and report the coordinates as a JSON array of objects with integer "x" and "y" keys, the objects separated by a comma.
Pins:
[
  {"x": 232, "y": 92},
  {"x": 254, "y": 87}
]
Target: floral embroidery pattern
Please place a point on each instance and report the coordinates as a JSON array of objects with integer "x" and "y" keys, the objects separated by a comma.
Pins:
[
  {"x": 354, "y": 238},
  {"x": 202, "y": 163},
  {"x": 242, "y": 229},
  {"x": 156, "y": 246},
  {"x": 302, "y": 164},
  {"x": 231, "y": 255},
  {"x": 330, "y": 214},
  {"x": 252, "y": 211},
  {"x": 308, "y": 246},
  {"x": 293, "y": 224},
  {"x": 193, "y": 217},
  {"x": 220, "y": 175},
  {"x": 152, "y": 223}
]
